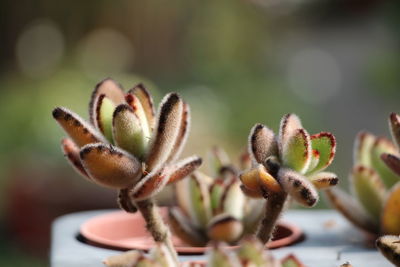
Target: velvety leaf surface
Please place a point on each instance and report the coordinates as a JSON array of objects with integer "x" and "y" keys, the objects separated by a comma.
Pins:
[
  {"x": 128, "y": 132},
  {"x": 183, "y": 134},
  {"x": 183, "y": 168},
  {"x": 110, "y": 166},
  {"x": 138, "y": 110},
  {"x": 288, "y": 126},
  {"x": 71, "y": 152},
  {"x": 80, "y": 131},
  {"x": 151, "y": 184},
  {"x": 262, "y": 143},
  {"x": 296, "y": 152},
  {"x": 323, "y": 180},
  {"x": 104, "y": 115},
  {"x": 111, "y": 89},
  {"x": 147, "y": 102},
  {"x": 166, "y": 132}
]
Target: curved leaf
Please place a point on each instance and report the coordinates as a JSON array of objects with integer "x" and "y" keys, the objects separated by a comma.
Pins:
[
  {"x": 71, "y": 152},
  {"x": 104, "y": 110},
  {"x": 224, "y": 227},
  {"x": 262, "y": 143},
  {"x": 110, "y": 166},
  {"x": 138, "y": 110},
  {"x": 111, "y": 89},
  {"x": 147, "y": 102},
  {"x": 151, "y": 184},
  {"x": 183, "y": 168},
  {"x": 199, "y": 201},
  {"x": 296, "y": 151},
  {"x": 232, "y": 200},
  {"x": 323, "y": 180},
  {"x": 325, "y": 144},
  {"x": 288, "y": 126},
  {"x": 80, "y": 131}
]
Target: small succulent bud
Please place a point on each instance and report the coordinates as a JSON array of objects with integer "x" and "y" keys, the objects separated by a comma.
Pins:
[
  {"x": 262, "y": 143},
  {"x": 389, "y": 246},
  {"x": 225, "y": 228}
]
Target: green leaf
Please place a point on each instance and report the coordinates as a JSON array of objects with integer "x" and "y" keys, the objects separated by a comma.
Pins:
[
  {"x": 251, "y": 250},
  {"x": 381, "y": 146},
  {"x": 104, "y": 115},
  {"x": 291, "y": 261},
  {"x": 199, "y": 201},
  {"x": 233, "y": 201},
  {"x": 362, "y": 148},
  {"x": 369, "y": 189},
  {"x": 216, "y": 192},
  {"x": 290, "y": 123},
  {"x": 296, "y": 152},
  {"x": 325, "y": 144},
  {"x": 128, "y": 132}
]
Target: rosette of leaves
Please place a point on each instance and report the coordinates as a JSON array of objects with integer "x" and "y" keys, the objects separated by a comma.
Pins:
[
  {"x": 289, "y": 164},
  {"x": 250, "y": 253},
  {"x": 128, "y": 147},
  {"x": 375, "y": 182},
  {"x": 213, "y": 208},
  {"x": 389, "y": 246}
]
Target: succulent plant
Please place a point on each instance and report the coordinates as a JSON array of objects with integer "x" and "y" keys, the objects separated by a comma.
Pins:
[
  {"x": 213, "y": 208},
  {"x": 250, "y": 253},
  {"x": 290, "y": 164},
  {"x": 375, "y": 179},
  {"x": 389, "y": 246},
  {"x": 127, "y": 147}
]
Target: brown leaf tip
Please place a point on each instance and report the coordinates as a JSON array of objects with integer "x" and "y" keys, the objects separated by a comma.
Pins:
[
  {"x": 58, "y": 113},
  {"x": 334, "y": 181},
  {"x": 395, "y": 118},
  {"x": 170, "y": 101},
  {"x": 122, "y": 108}
]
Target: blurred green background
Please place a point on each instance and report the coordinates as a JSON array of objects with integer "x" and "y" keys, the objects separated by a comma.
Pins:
[{"x": 237, "y": 62}]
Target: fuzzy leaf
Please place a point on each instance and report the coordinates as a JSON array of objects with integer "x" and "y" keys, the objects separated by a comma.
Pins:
[
  {"x": 71, "y": 152},
  {"x": 233, "y": 200},
  {"x": 394, "y": 124},
  {"x": 369, "y": 189},
  {"x": 383, "y": 145},
  {"x": 390, "y": 220},
  {"x": 183, "y": 168},
  {"x": 298, "y": 187},
  {"x": 296, "y": 151},
  {"x": 151, "y": 184},
  {"x": 199, "y": 201},
  {"x": 111, "y": 89},
  {"x": 184, "y": 229},
  {"x": 138, "y": 110},
  {"x": 289, "y": 124},
  {"x": 103, "y": 115},
  {"x": 351, "y": 209},
  {"x": 323, "y": 180},
  {"x": 314, "y": 160},
  {"x": 362, "y": 148},
  {"x": 182, "y": 135},
  {"x": 291, "y": 261},
  {"x": 80, "y": 131},
  {"x": 325, "y": 144},
  {"x": 389, "y": 246},
  {"x": 392, "y": 161},
  {"x": 262, "y": 143},
  {"x": 166, "y": 132},
  {"x": 110, "y": 166},
  {"x": 147, "y": 102},
  {"x": 129, "y": 258},
  {"x": 161, "y": 254},
  {"x": 128, "y": 132},
  {"x": 225, "y": 228}
]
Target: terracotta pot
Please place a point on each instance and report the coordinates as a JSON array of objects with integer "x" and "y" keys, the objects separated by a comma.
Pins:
[{"x": 123, "y": 231}]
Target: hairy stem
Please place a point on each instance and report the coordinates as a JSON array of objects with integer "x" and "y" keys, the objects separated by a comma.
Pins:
[
  {"x": 156, "y": 226},
  {"x": 273, "y": 208}
]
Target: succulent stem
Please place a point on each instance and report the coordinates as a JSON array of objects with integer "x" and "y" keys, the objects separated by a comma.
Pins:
[
  {"x": 156, "y": 226},
  {"x": 273, "y": 207}
]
